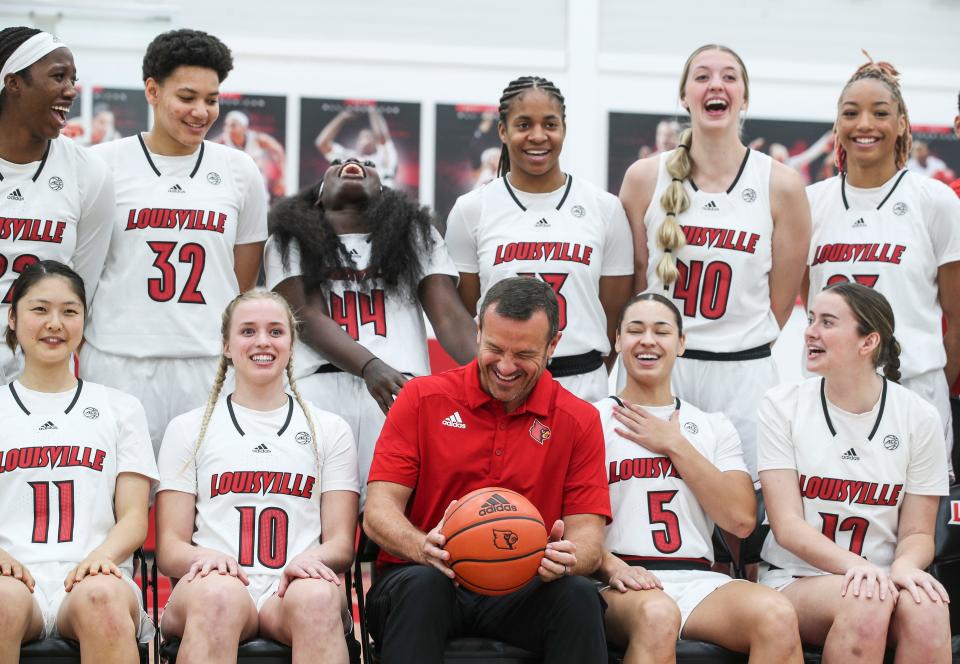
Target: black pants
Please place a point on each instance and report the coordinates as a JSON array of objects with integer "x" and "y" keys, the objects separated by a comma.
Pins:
[{"x": 412, "y": 611}]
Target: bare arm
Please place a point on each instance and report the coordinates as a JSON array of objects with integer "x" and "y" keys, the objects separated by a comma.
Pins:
[
  {"x": 272, "y": 147},
  {"x": 378, "y": 125},
  {"x": 469, "y": 289},
  {"x": 805, "y": 287},
  {"x": 455, "y": 328},
  {"x": 327, "y": 135},
  {"x": 385, "y": 522},
  {"x": 586, "y": 532},
  {"x": 948, "y": 281},
  {"x": 791, "y": 239},
  {"x": 636, "y": 192},
  {"x": 614, "y": 293},
  {"x": 915, "y": 549},
  {"x": 246, "y": 264}
]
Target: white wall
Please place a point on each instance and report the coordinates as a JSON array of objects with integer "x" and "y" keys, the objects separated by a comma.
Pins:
[{"x": 604, "y": 54}]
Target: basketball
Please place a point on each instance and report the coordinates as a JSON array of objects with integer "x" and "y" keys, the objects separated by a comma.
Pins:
[{"x": 496, "y": 539}]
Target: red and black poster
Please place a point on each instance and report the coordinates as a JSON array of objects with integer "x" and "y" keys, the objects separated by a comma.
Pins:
[{"x": 467, "y": 152}]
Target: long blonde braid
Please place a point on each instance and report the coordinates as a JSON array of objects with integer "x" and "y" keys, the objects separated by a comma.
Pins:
[
  {"x": 306, "y": 410},
  {"x": 674, "y": 201}
]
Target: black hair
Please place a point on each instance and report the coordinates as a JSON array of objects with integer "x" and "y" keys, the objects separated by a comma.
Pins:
[
  {"x": 192, "y": 48},
  {"x": 519, "y": 298},
  {"x": 10, "y": 41},
  {"x": 874, "y": 314},
  {"x": 653, "y": 297},
  {"x": 400, "y": 230},
  {"x": 516, "y": 88},
  {"x": 35, "y": 273}
]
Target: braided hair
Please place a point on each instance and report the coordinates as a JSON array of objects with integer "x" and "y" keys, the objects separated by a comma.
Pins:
[
  {"x": 515, "y": 89},
  {"x": 887, "y": 74},
  {"x": 10, "y": 41}
]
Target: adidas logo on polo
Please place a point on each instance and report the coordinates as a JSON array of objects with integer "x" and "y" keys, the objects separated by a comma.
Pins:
[
  {"x": 15, "y": 195},
  {"x": 496, "y": 503},
  {"x": 850, "y": 455},
  {"x": 454, "y": 421},
  {"x": 47, "y": 426},
  {"x": 711, "y": 207},
  {"x": 177, "y": 189},
  {"x": 859, "y": 223},
  {"x": 261, "y": 448},
  {"x": 542, "y": 223}
]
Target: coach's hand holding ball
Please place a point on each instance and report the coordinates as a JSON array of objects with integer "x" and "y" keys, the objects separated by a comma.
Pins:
[
  {"x": 10, "y": 566},
  {"x": 97, "y": 562},
  {"x": 432, "y": 552},
  {"x": 209, "y": 561},
  {"x": 560, "y": 556}
]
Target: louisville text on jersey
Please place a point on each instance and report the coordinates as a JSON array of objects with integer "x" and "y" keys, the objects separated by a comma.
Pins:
[
  {"x": 32, "y": 230},
  {"x": 642, "y": 468},
  {"x": 262, "y": 481},
  {"x": 191, "y": 220},
  {"x": 54, "y": 456},
  {"x": 842, "y": 252},
  {"x": 849, "y": 491},
  {"x": 545, "y": 251},
  {"x": 721, "y": 238}
]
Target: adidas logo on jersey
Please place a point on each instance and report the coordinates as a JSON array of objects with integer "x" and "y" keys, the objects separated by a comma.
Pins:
[
  {"x": 542, "y": 223},
  {"x": 711, "y": 207},
  {"x": 850, "y": 455},
  {"x": 860, "y": 223},
  {"x": 354, "y": 253},
  {"x": 496, "y": 503},
  {"x": 454, "y": 421},
  {"x": 47, "y": 426},
  {"x": 261, "y": 448},
  {"x": 15, "y": 195},
  {"x": 177, "y": 189}
]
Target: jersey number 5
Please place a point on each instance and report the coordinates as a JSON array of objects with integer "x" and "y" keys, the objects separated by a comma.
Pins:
[
  {"x": 41, "y": 511},
  {"x": 164, "y": 287},
  {"x": 666, "y": 540},
  {"x": 268, "y": 535}
]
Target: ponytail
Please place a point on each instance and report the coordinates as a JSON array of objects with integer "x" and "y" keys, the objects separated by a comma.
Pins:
[
  {"x": 891, "y": 357},
  {"x": 674, "y": 201}
]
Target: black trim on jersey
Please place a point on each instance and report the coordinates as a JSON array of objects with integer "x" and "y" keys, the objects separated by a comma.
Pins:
[
  {"x": 563, "y": 199},
  {"x": 574, "y": 365},
  {"x": 236, "y": 424},
  {"x": 146, "y": 153},
  {"x": 622, "y": 405},
  {"x": 657, "y": 563},
  {"x": 73, "y": 402},
  {"x": 843, "y": 189},
  {"x": 618, "y": 400},
  {"x": 43, "y": 162},
  {"x": 743, "y": 165},
  {"x": 826, "y": 414}
]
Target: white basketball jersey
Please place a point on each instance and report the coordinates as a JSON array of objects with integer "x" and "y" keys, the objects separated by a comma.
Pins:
[
  {"x": 892, "y": 238},
  {"x": 388, "y": 325},
  {"x": 255, "y": 478},
  {"x": 723, "y": 290},
  {"x": 59, "y": 208},
  {"x": 60, "y": 455},
  {"x": 655, "y": 515},
  {"x": 854, "y": 469},
  {"x": 170, "y": 271},
  {"x": 569, "y": 238}
]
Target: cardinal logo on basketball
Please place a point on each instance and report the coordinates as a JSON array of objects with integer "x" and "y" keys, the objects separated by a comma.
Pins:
[
  {"x": 505, "y": 539},
  {"x": 539, "y": 432}
]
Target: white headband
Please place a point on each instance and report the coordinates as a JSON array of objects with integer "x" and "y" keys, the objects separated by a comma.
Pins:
[{"x": 29, "y": 52}]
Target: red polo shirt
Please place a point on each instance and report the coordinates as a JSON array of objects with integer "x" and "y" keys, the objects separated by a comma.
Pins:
[{"x": 445, "y": 436}]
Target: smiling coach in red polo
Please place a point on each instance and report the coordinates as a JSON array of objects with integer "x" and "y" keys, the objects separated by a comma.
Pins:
[{"x": 487, "y": 424}]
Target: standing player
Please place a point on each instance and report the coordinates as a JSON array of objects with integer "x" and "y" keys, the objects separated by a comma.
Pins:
[
  {"x": 190, "y": 225},
  {"x": 78, "y": 465},
  {"x": 852, "y": 469},
  {"x": 245, "y": 484},
  {"x": 360, "y": 265},
  {"x": 663, "y": 487},
  {"x": 537, "y": 221},
  {"x": 372, "y": 144},
  {"x": 888, "y": 228},
  {"x": 56, "y": 199},
  {"x": 726, "y": 229}
]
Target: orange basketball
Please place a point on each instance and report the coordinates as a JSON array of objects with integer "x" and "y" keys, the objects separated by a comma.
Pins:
[{"x": 495, "y": 538}]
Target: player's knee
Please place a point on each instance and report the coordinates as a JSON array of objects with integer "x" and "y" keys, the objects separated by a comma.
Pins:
[
  {"x": 922, "y": 627},
  {"x": 314, "y": 603},
  {"x": 656, "y": 620},
  {"x": 15, "y": 607},
  {"x": 218, "y": 600},
  {"x": 773, "y": 619},
  {"x": 100, "y": 608},
  {"x": 866, "y": 620}
]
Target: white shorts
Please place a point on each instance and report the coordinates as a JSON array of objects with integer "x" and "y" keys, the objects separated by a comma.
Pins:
[
  {"x": 932, "y": 386},
  {"x": 347, "y": 396},
  {"x": 778, "y": 579},
  {"x": 689, "y": 587},
  {"x": 591, "y": 386},
  {"x": 166, "y": 387},
  {"x": 732, "y": 388},
  {"x": 49, "y": 594}
]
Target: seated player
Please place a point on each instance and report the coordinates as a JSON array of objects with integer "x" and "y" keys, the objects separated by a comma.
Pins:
[
  {"x": 77, "y": 465},
  {"x": 852, "y": 468},
  {"x": 675, "y": 471},
  {"x": 245, "y": 484},
  {"x": 501, "y": 420}
]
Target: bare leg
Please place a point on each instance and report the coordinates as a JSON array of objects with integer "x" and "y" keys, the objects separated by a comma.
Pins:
[
  {"x": 309, "y": 618},
  {"x": 921, "y": 632},
  {"x": 20, "y": 618},
  {"x": 645, "y": 622},
  {"x": 101, "y": 612}
]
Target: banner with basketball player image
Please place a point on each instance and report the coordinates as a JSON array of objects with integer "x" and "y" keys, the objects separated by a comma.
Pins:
[
  {"x": 467, "y": 152},
  {"x": 805, "y": 146},
  {"x": 256, "y": 124},
  {"x": 116, "y": 112},
  {"x": 385, "y": 133},
  {"x": 74, "y": 127},
  {"x": 936, "y": 152}
]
